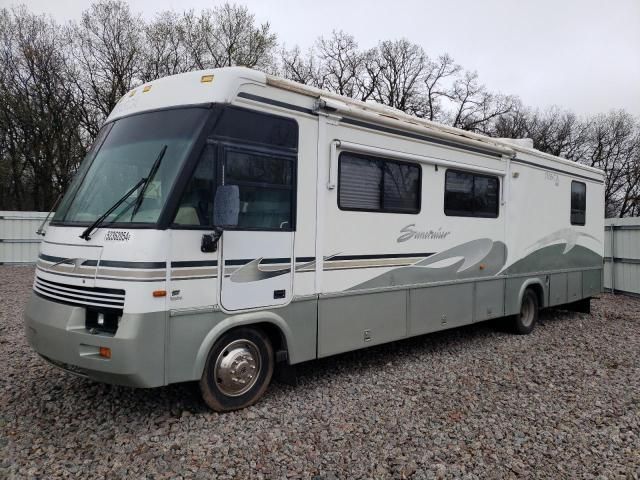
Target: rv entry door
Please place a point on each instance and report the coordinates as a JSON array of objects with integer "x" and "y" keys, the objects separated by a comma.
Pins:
[
  {"x": 257, "y": 269},
  {"x": 257, "y": 249}
]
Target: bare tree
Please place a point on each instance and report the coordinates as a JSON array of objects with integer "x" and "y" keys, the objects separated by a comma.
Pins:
[
  {"x": 334, "y": 64},
  {"x": 299, "y": 67},
  {"x": 401, "y": 71},
  {"x": 610, "y": 142},
  {"x": 340, "y": 63},
  {"x": 39, "y": 116},
  {"x": 165, "y": 47},
  {"x": 514, "y": 124},
  {"x": 58, "y": 83},
  {"x": 474, "y": 107},
  {"x": 228, "y": 36},
  {"x": 614, "y": 146},
  {"x": 436, "y": 75},
  {"x": 107, "y": 48},
  {"x": 557, "y": 132}
]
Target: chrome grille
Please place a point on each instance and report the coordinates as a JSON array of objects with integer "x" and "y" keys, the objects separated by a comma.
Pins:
[{"x": 83, "y": 296}]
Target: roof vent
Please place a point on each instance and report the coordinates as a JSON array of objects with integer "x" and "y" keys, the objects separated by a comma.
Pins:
[{"x": 518, "y": 142}]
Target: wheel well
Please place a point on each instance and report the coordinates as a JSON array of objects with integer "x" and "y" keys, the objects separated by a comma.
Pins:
[
  {"x": 537, "y": 289},
  {"x": 275, "y": 335}
]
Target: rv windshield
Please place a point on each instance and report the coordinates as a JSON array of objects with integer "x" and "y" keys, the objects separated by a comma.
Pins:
[{"x": 124, "y": 153}]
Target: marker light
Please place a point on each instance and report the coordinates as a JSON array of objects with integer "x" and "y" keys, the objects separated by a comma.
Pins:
[
  {"x": 206, "y": 78},
  {"x": 159, "y": 293},
  {"x": 133, "y": 92},
  {"x": 105, "y": 352},
  {"x": 146, "y": 89}
]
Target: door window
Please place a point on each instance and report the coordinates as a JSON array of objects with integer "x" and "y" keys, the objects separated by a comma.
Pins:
[
  {"x": 265, "y": 183},
  {"x": 196, "y": 204},
  {"x": 255, "y": 151}
]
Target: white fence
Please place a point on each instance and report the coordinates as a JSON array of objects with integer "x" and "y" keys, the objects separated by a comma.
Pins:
[
  {"x": 18, "y": 240},
  {"x": 622, "y": 255}
]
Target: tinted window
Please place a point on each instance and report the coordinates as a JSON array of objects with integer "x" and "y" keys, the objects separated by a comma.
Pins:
[
  {"x": 257, "y": 168},
  {"x": 485, "y": 196},
  {"x": 196, "y": 205},
  {"x": 401, "y": 187},
  {"x": 256, "y": 127},
  {"x": 458, "y": 193},
  {"x": 265, "y": 181},
  {"x": 376, "y": 184},
  {"x": 578, "y": 203},
  {"x": 256, "y": 152},
  {"x": 265, "y": 209},
  {"x": 471, "y": 195}
]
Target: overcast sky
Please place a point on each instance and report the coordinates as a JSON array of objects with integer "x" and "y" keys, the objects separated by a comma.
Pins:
[{"x": 583, "y": 55}]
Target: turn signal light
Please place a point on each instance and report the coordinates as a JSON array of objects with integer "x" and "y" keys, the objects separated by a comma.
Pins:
[
  {"x": 159, "y": 293},
  {"x": 105, "y": 352}
]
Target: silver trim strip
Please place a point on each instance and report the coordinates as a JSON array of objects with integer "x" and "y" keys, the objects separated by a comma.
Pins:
[
  {"x": 179, "y": 312},
  {"x": 83, "y": 277},
  {"x": 52, "y": 295},
  {"x": 75, "y": 291}
]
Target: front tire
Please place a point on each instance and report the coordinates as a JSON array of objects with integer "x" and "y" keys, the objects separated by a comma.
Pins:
[
  {"x": 238, "y": 370},
  {"x": 525, "y": 321}
]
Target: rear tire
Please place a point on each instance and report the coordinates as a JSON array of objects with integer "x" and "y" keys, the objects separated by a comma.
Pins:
[
  {"x": 238, "y": 370},
  {"x": 525, "y": 321}
]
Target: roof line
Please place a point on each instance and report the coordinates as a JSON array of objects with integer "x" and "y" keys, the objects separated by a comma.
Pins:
[{"x": 388, "y": 115}]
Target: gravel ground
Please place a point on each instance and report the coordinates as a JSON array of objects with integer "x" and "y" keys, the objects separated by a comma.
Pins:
[{"x": 474, "y": 402}]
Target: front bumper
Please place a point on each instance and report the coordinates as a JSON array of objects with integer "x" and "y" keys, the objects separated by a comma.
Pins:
[{"x": 57, "y": 332}]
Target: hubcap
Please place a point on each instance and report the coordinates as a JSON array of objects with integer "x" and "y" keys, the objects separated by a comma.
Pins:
[
  {"x": 237, "y": 368},
  {"x": 527, "y": 312}
]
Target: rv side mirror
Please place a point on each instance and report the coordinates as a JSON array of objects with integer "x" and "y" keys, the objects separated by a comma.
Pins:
[{"x": 226, "y": 206}]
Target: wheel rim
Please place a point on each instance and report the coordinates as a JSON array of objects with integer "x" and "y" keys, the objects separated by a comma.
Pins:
[
  {"x": 527, "y": 311},
  {"x": 237, "y": 368}
]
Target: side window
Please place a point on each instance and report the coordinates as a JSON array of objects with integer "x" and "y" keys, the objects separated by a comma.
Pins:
[
  {"x": 578, "y": 203},
  {"x": 471, "y": 195},
  {"x": 458, "y": 193},
  {"x": 250, "y": 126},
  {"x": 266, "y": 184},
  {"x": 378, "y": 185},
  {"x": 485, "y": 196},
  {"x": 359, "y": 183},
  {"x": 401, "y": 187},
  {"x": 196, "y": 204},
  {"x": 258, "y": 152}
]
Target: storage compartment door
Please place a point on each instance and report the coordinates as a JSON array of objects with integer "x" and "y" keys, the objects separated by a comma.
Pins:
[{"x": 257, "y": 269}]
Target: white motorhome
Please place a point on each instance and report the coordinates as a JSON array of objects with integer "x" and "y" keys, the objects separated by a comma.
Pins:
[{"x": 227, "y": 222}]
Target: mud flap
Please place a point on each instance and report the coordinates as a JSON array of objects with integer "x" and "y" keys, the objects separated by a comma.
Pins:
[{"x": 581, "y": 306}]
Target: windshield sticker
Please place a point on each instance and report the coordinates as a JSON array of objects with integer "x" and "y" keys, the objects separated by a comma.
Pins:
[
  {"x": 154, "y": 190},
  {"x": 117, "y": 236}
]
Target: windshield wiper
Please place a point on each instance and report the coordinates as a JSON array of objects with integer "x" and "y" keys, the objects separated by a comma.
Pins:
[
  {"x": 152, "y": 172},
  {"x": 86, "y": 234},
  {"x": 41, "y": 230}
]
